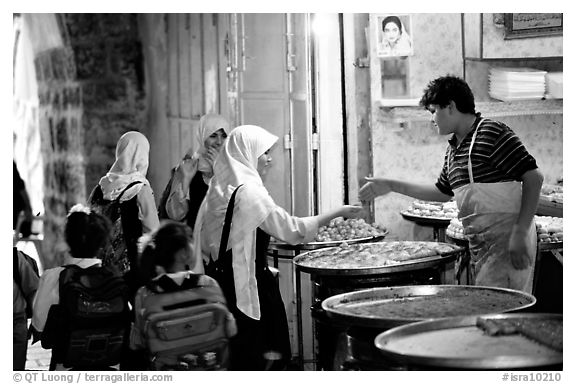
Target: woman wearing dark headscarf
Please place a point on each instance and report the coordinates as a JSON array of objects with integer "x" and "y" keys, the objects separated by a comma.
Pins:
[{"x": 234, "y": 247}]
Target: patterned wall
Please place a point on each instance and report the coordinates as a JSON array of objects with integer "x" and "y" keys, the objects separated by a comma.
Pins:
[
  {"x": 437, "y": 48},
  {"x": 494, "y": 45},
  {"x": 413, "y": 150}
]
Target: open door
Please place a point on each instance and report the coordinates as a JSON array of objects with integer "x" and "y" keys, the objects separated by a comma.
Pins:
[{"x": 268, "y": 75}]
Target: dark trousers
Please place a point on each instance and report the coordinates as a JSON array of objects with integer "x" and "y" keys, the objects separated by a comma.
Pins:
[{"x": 20, "y": 341}]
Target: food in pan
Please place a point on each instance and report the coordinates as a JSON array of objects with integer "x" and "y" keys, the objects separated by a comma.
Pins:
[
  {"x": 447, "y": 303},
  {"x": 433, "y": 209},
  {"x": 549, "y": 229},
  {"x": 341, "y": 229},
  {"x": 553, "y": 193},
  {"x": 370, "y": 255},
  {"x": 498, "y": 327},
  {"x": 545, "y": 331},
  {"x": 455, "y": 229}
]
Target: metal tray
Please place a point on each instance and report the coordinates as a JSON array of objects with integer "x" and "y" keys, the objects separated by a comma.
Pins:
[
  {"x": 426, "y": 220},
  {"x": 274, "y": 244},
  {"x": 416, "y": 264},
  {"x": 549, "y": 208},
  {"x": 393, "y": 306},
  {"x": 457, "y": 240},
  {"x": 465, "y": 346},
  {"x": 549, "y": 245}
]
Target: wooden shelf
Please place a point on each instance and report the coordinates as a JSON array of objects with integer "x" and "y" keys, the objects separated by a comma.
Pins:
[{"x": 490, "y": 109}]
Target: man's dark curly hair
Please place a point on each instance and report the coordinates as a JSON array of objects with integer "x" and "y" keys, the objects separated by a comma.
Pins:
[{"x": 443, "y": 89}]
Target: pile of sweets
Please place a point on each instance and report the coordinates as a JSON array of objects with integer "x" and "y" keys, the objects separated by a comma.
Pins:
[
  {"x": 549, "y": 229},
  {"x": 433, "y": 209},
  {"x": 348, "y": 229}
]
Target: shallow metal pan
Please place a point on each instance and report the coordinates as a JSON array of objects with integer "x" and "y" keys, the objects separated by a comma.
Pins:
[
  {"x": 549, "y": 245},
  {"x": 274, "y": 244},
  {"x": 411, "y": 265},
  {"x": 388, "y": 307},
  {"x": 426, "y": 220},
  {"x": 457, "y": 343}
]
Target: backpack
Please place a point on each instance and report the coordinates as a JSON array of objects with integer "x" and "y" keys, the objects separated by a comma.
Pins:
[
  {"x": 121, "y": 254},
  {"x": 18, "y": 276},
  {"x": 186, "y": 329},
  {"x": 90, "y": 325}
]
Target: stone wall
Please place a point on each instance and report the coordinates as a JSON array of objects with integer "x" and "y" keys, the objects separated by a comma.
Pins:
[
  {"x": 109, "y": 62},
  {"x": 91, "y": 91},
  {"x": 60, "y": 114}
]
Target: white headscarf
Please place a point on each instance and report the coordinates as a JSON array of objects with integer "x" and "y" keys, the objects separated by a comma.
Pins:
[
  {"x": 209, "y": 124},
  {"x": 237, "y": 165},
  {"x": 131, "y": 165}
]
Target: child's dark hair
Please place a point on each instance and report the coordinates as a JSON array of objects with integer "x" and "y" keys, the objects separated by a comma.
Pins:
[
  {"x": 449, "y": 88},
  {"x": 161, "y": 250},
  {"x": 87, "y": 233}
]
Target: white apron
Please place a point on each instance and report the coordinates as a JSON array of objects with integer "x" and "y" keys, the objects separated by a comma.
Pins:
[{"x": 488, "y": 212}]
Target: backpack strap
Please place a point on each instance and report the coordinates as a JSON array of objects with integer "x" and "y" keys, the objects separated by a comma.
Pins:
[
  {"x": 164, "y": 284},
  {"x": 227, "y": 224},
  {"x": 127, "y": 188}
]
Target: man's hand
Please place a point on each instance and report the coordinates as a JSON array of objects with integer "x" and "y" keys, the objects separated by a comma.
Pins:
[
  {"x": 519, "y": 247},
  {"x": 373, "y": 188}
]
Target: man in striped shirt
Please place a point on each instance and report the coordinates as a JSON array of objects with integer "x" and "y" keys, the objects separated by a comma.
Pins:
[{"x": 495, "y": 181}]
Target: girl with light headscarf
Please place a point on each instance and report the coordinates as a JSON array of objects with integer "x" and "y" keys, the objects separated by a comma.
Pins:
[
  {"x": 240, "y": 266},
  {"x": 126, "y": 183},
  {"x": 189, "y": 181}
]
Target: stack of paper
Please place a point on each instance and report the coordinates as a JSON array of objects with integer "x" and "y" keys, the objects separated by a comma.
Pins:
[
  {"x": 554, "y": 85},
  {"x": 508, "y": 84}
]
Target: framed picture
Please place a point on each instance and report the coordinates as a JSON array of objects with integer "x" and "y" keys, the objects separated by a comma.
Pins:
[
  {"x": 392, "y": 33},
  {"x": 523, "y": 25}
]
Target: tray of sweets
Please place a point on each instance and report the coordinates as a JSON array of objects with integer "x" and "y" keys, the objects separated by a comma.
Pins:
[{"x": 387, "y": 307}]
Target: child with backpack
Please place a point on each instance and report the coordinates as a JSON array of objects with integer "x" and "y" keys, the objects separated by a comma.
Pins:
[
  {"x": 181, "y": 318},
  {"x": 81, "y": 308}
]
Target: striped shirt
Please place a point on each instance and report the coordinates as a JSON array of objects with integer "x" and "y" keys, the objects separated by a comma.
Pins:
[{"x": 498, "y": 155}]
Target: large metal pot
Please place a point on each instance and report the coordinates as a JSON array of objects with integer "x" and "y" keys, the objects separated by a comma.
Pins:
[
  {"x": 435, "y": 269},
  {"x": 457, "y": 343},
  {"x": 365, "y": 314}
]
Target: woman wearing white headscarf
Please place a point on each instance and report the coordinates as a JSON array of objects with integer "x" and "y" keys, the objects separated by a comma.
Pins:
[
  {"x": 395, "y": 40},
  {"x": 240, "y": 265},
  {"x": 189, "y": 182},
  {"x": 126, "y": 183}
]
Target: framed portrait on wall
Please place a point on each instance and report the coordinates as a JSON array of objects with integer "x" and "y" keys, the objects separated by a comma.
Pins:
[{"x": 392, "y": 33}]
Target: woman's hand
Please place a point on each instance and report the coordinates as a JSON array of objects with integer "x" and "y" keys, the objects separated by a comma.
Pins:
[
  {"x": 373, "y": 188},
  {"x": 210, "y": 156},
  {"x": 187, "y": 167},
  {"x": 352, "y": 211}
]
